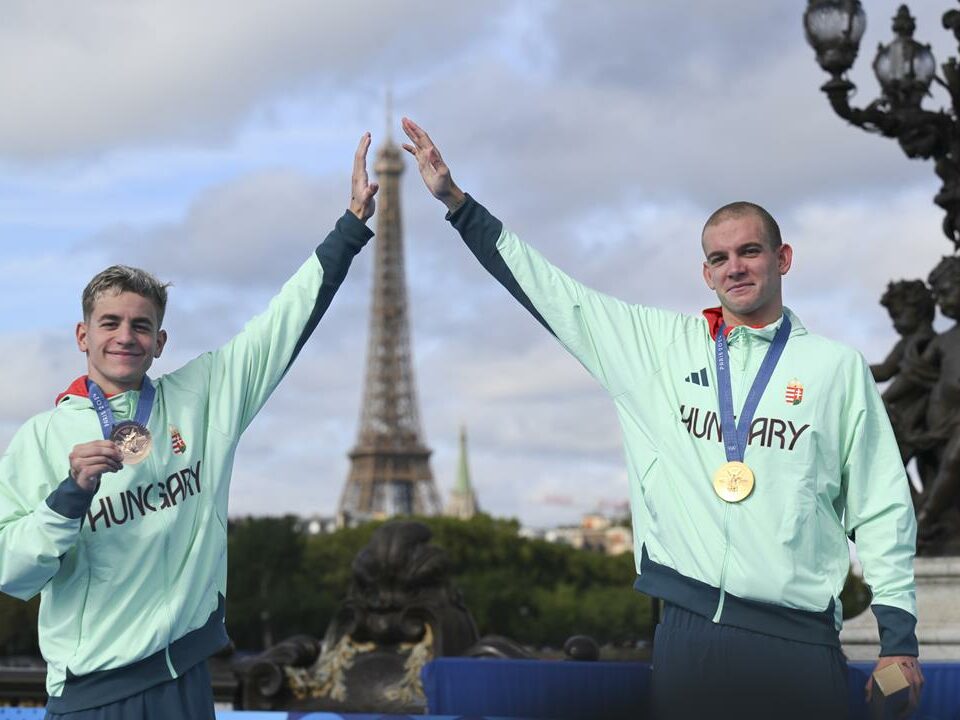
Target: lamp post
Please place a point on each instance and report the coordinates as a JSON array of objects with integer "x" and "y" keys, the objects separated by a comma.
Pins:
[{"x": 905, "y": 70}]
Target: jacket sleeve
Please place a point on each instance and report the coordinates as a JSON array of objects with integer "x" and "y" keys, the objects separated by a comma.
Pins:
[
  {"x": 613, "y": 340},
  {"x": 242, "y": 374},
  {"x": 879, "y": 514},
  {"x": 38, "y": 525}
]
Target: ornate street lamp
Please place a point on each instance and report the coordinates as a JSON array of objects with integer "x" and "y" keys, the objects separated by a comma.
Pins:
[
  {"x": 905, "y": 70},
  {"x": 834, "y": 29}
]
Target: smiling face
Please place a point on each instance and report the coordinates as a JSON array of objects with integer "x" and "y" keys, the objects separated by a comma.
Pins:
[
  {"x": 121, "y": 337},
  {"x": 744, "y": 269}
]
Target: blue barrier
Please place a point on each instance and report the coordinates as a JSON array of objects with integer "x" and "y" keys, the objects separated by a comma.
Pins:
[
  {"x": 537, "y": 689},
  {"x": 565, "y": 690},
  {"x": 457, "y": 688}
]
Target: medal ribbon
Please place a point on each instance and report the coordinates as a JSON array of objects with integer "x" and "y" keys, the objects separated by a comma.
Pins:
[
  {"x": 735, "y": 434},
  {"x": 105, "y": 413}
]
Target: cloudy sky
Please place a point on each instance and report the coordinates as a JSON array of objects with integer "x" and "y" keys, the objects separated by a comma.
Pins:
[{"x": 211, "y": 143}]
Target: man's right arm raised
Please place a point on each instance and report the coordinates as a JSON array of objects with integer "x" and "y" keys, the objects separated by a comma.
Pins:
[
  {"x": 605, "y": 334},
  {"x": 40, "y": 518}
]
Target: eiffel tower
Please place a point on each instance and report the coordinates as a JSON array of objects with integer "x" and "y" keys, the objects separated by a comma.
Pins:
[{"x": 390, "y": 465}]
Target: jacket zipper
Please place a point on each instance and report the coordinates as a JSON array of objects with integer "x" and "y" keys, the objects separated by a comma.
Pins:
[{"x": 723, "y": 566}]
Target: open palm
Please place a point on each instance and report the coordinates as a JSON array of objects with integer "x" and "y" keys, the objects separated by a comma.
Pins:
[{"x": 433, "y": 170}]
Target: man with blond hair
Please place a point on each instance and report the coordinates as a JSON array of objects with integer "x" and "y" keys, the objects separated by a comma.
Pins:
[{"x": 113, "y": 505}]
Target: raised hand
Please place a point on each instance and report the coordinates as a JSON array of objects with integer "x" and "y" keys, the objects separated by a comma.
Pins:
[
  {"x": 433, "y": 170},
  {"x": 362, "y": 190},
  {"x": 89, "y": 461}
]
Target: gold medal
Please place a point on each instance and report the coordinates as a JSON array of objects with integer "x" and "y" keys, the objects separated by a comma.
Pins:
[
  {"x": 733, "y": 481},
  {"x": 134, "y": 441}
]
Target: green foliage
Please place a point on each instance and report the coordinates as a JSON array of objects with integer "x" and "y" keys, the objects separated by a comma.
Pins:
[
  {"x": 536, "y": 592},
  {"x": 18, "y": 626},
  {"x": 264, "y": 580},
  {"x": 282, "y": 582},
  {"x": 540, "y": 593}
]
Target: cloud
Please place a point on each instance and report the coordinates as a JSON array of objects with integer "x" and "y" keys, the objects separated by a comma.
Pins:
[
  {"x": 247, "y": 232},
  {"x": 846, "y": 254},
  {"x": 95, "y": 79},
  {"x": 37, "y": 366},
  {"x": 211, "y": 144}
]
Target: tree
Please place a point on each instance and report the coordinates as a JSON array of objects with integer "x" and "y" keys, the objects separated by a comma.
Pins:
[
  {"x": 283, "y": 583},
  {"x": 18, "y": 626},
  {"x": 264, "y": 583},
  {"x": 540, "y": 593}
]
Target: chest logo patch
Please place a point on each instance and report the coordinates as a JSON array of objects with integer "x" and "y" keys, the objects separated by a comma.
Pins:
[
  {"x": 176, "y": 441},
  {"x": 794, "y": 394}
]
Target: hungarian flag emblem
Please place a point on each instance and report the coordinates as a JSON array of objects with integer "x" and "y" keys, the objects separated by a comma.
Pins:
[
  {"x": 176, "y": 441},
  {"x": 794, "y": 392}
]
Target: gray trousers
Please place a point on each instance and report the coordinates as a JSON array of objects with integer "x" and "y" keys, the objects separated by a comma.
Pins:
[
  {"x": 188, "y": 696},
  {"x": 705, "y": 670}
]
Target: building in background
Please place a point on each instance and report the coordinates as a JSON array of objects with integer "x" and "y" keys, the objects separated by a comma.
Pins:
[
  {"x": 463, "y": 500},
  {"x": 596, "y": 532}
]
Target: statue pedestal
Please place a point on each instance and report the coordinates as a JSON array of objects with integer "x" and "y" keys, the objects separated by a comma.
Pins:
[{"x": 938, "y": 626}]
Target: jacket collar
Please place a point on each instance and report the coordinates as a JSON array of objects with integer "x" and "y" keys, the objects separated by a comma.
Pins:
[
  {"x": 77, "y": 388},
  {"x": 714, "y": 318}
]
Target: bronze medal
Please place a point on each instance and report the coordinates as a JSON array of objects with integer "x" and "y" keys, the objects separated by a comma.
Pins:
[
  {"x": 134, "y": 441},
  {"x": 733, "y": 482}
]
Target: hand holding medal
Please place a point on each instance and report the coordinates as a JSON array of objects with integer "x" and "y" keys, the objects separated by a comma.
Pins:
[{"x": 88, "y": 461}]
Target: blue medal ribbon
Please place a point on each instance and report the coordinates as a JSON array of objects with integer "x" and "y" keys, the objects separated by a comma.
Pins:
[
  {"x": 735, "y": 434},
  {"x": 105, "y": 413}
]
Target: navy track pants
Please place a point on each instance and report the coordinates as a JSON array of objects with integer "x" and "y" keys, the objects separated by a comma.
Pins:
[
  {"x": 705, "y": 670},
  {"x": 188, "y": 696}
]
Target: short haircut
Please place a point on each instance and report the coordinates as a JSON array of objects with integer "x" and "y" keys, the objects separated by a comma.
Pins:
[
  {"x": 122, "y": 278},
  {"x": 742, "y": 208},
  {"x": 948, "y": 268},
  {"x": 906, "y": 293}
]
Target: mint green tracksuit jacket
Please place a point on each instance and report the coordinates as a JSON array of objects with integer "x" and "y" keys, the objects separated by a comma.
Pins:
[
  {"x": 821, "y": 447},
  {"x": 133, "y": 577}
]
